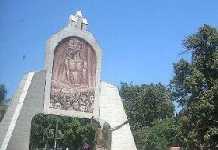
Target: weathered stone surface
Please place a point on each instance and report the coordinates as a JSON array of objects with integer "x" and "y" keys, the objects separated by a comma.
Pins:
[
  {"x": 71, "y": 39},
  {"x": 73, "y": 76},
  {"x": 4, "y": 125},
  {"x": 32, "y": 105},
  {"x": 112, "y": 111}
]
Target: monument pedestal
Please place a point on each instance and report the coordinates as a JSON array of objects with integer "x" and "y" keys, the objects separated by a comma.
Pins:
[
  {"x": 112, "y": 111},
  {"x": 28, "y": 101}
]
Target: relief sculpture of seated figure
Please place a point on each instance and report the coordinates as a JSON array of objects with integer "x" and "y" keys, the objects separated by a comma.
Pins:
[
  {"x": 76, "y": 69},
  {"x": 73, "y": 77}
]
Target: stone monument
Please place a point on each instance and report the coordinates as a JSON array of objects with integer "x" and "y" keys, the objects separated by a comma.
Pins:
[{"x": 69, "y": 85}]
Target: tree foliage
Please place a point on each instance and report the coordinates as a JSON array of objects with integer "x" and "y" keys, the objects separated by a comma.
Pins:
[
  {"x": 145, "y": 104},
  {"x": 195, "y": 88},
  {"x": 72, "y": 132},
  {"x": 3, "y": 93},
  {"x": 160, "y": 136}
]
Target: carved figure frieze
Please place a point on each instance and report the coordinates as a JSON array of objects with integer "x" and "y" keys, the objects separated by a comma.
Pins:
[{"x": 73, "y": 76}]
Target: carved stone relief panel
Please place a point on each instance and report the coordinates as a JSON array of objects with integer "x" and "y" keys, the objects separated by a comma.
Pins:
[{"x": 73, "y": 76}]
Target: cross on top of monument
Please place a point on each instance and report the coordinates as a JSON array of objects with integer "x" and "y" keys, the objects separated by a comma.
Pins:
[{"x": 78, "y": 20}]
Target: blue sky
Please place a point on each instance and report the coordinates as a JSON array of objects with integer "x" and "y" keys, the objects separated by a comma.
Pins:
[{"x": 140, "y": 39}]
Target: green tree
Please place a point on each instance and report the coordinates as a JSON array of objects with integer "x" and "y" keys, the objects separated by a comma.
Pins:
[
  {"x": 145, "y": 104},
  {"x": 74, "y": 132},
  {"x": 3, "y": 93},
  {"x": 160, "y": 136},
  {"x": 195, "y": 88}
]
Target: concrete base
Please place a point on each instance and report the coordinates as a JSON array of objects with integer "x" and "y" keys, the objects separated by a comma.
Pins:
[
  {"x": 29, "y": 99},
  {"x": 26, "y": 103},
  {"x": 112, "y": 111}
]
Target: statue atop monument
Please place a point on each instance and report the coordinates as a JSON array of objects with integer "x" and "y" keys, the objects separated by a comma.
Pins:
[{"x": 78, "y": 20}]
